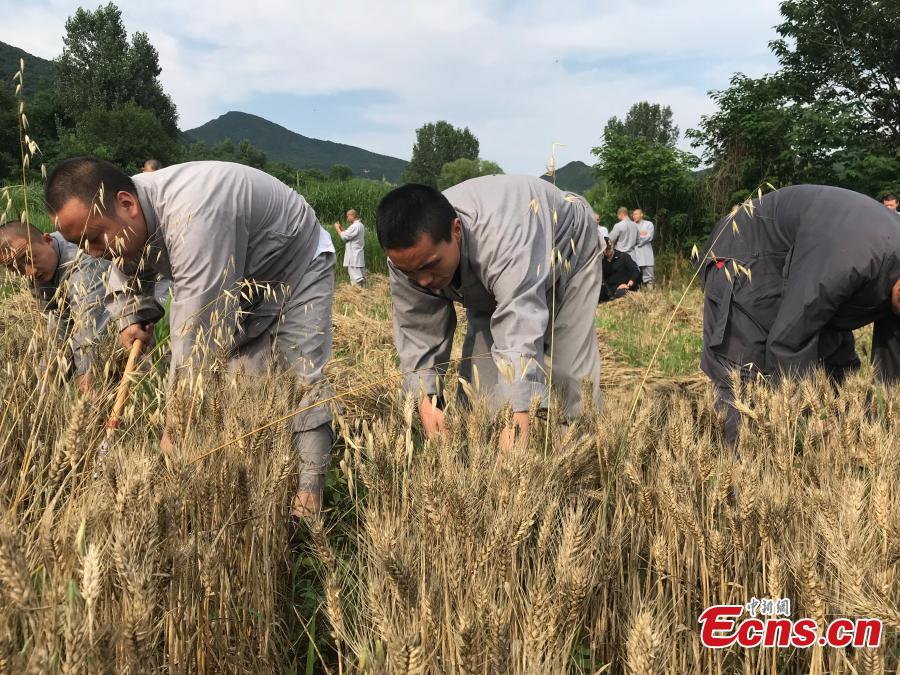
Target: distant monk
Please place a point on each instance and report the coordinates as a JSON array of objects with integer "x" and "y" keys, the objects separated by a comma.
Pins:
[
  {"x": 355, "y": 252},
  {"x": 68, "y": 285},
  {"x": 625, "y": 233},
  {"x": 152, "y": 165},
  {"x": 890, "y": 203},
  {"x": 643, "y": 251},
  {"x": 822, "y": 262},
  {"x": 620, "y": 274},
  {"x": 487, "y": 244}
]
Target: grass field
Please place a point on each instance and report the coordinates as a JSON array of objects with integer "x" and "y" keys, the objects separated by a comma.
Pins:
[{"x": 594, "y": 549}]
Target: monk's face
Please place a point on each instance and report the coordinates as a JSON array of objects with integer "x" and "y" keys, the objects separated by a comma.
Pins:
[
  {"x": 637, "y": 215},
  {"x": 36, "y": 259},
  {"x": 890, "y": 204},
  {"x": 609, "y": 251},
  {"x": 428, "y": 263},
  {"x": 895, "y": 298},
  {"x": 118, "y": 231}
]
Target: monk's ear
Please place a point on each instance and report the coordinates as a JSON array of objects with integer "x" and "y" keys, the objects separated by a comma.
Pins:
[
  {"x": 456, "y": 228},
  {"x": 47, "y": 238},
  {"x": 128, "y": 202}
]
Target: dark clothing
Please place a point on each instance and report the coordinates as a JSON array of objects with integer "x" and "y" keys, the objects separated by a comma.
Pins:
[
  {"x": 620, "y": 270},
  {"x": 789, "y": 276}
]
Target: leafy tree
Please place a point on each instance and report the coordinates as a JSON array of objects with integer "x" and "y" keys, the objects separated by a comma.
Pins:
[
  {"x": 126, "y": 136},
  {"x": 844, "y": 51},
  {"x": 436, "y": 144},
  {"x": 831, "y": 114},
  {"x": 100, "y": 69},
  {"x": 223, "y": 151},
  {"x": 340, "y": 172},
  {"x": 283, "y": 172},
  {"x": 649, "y": 121},
  {"x": 463, "y": 169},
  {"x": 641, "y": 167},
  {"x": 251, "y": 156}
]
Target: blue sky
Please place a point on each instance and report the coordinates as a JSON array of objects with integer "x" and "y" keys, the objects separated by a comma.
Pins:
[{"x": 520, "y": 75}]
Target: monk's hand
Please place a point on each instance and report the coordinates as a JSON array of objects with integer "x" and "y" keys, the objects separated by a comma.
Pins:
[
  {"x": 432, "y": 417},
  {"x": 515, "y": 434},
  {"x": 86, "y": 384},
  {"x": 136, "y": 331},
  {"x": 165, "y": 443}
]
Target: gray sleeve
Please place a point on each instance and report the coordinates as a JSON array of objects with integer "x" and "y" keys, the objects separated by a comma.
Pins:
[
  {"x": 85, "y": 294},
  {"x": 351, "y": 233},
  {"x": 616, "y": 233},
  {"x": 423, "y": 332},
  {"x": 517, "y": 277},
  {"x": 647, "y": 239}
]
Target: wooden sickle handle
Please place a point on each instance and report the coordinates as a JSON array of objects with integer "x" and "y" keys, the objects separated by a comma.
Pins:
[{"x": 122, "y": 394}]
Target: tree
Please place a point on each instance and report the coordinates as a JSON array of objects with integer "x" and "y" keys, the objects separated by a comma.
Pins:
[
  {"x": 100, "y": 69},
  {"x": 340, "y": 172},
  {"x": 283, "y": 172},
  {"x": 251, "y": 156},
  {"x": 436, "y": 144},
  {"x": 649, "y": 121},
  {"x": 641, "y": 167},
  {"x": 830, "y": 115},
  {"x": 126, "y": 136},
  {"x": 844, "y": 51},
  {"x": 463, "y": 169}
]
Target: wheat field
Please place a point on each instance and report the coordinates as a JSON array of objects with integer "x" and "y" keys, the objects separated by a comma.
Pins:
[{"x": 594, "y": 549}]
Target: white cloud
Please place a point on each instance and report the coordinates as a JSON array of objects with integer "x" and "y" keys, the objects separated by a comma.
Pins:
[{"x": 499, "y": 67}]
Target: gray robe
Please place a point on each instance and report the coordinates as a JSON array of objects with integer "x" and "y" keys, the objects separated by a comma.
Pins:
[
  {"x": 822, "y": 261},
  {"x": 355, "y": 239},
  {"x": 511, "y": 227},
  {"x": 643, "y": 250},
  {"x": 625, "y": 236},
  {"x": 239, "y": 246},
  {"x": 73, "y": 301}
]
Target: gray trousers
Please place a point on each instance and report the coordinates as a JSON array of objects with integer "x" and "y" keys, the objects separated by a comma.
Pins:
[
  {"x": 357, "y": 275},
  {"x": 576, "y": 354},
  {"x": 647, "y": 275},
  {"x": 301, "y": 341}
]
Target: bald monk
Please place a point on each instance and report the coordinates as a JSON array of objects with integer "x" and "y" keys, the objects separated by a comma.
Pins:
[
  {"x": 822, "y": 261},
  {"x": 217, "y": 230},
  {"x": 68, "y": 286},
  {"x": 487, "y": 244}
]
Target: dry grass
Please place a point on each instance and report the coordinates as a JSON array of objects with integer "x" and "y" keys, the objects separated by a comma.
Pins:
[{"x": 441, "y": 556}]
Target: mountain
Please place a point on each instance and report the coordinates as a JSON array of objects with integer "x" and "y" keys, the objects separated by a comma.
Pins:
[
  {"x": 284, "y": 145},
  {"x": 574, "y": 177},
  {"x": 39, "y": 73}
]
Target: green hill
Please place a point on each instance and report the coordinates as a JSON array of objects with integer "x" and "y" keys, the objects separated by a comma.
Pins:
[
  {"x": 574, "y": 177},
  {"x": 39, "y": 73},
  {"x": 283, "y": 145}
]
